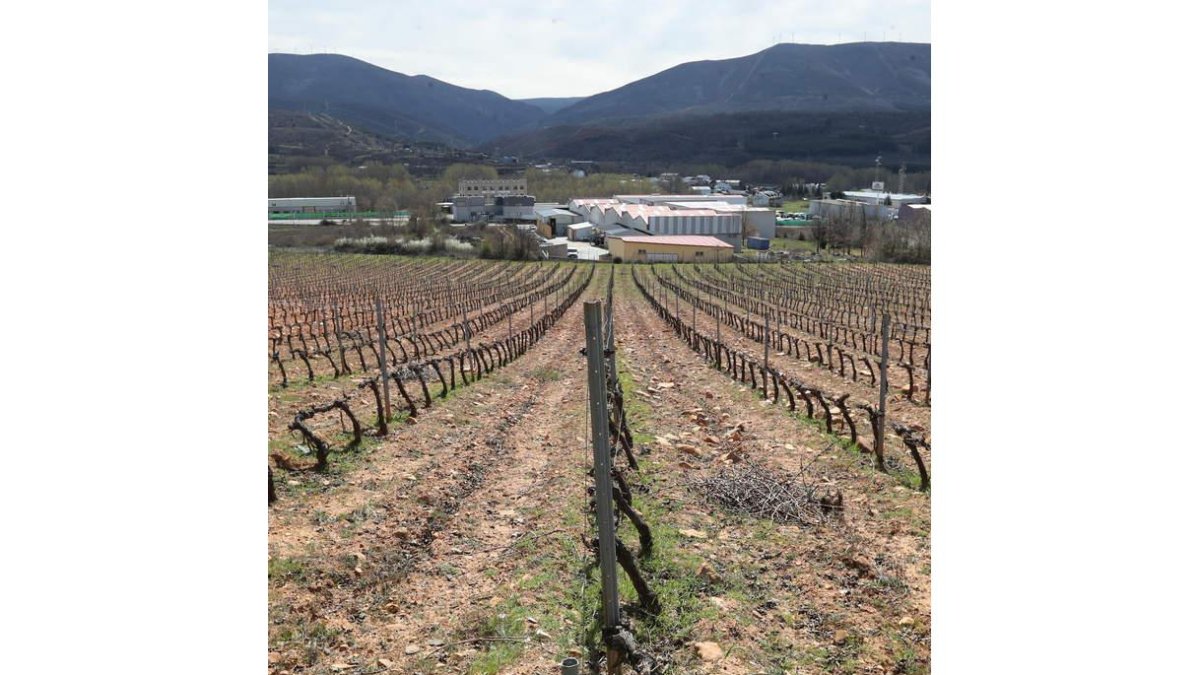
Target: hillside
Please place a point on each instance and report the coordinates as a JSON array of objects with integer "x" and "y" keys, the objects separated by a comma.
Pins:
[
  {"x": 850, "y": 138},
  {"x": 302, "y": 135},
  {"x": 552, "y": 105},
  {"x": 414, "y": 107},
  {"x": 829, "y": 103},
  {"x": 865, "y": 76}
]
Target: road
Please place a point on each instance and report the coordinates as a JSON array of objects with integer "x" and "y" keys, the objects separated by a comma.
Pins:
[{"x": 585, "y": 250}]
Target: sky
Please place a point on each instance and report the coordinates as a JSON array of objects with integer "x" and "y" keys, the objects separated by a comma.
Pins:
[
  {"x": 1037, "y": 530},
  {"x": 571, "y": 48}
]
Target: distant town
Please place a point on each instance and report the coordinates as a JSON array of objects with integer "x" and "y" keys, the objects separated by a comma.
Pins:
[{"x": 712, "y": 221}]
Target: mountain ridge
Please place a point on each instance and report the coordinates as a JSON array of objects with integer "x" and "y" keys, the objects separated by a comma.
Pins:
[
  {"x": 840, "y": 82},
  {"x": 859, "y": 76},
  {"x": 552, "y": 104},
  {"x": 416, "y": 107}
]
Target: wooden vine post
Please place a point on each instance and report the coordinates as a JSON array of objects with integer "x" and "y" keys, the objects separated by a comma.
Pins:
[
  {"x": 466, "y": 328},
  {"x": 721, "y": 317},
  {"x": 928, "y": 373},
  {"x": 883, "y": 387},
  {"x": 766, "y": 340},
  {"x": 383, "y": 373}
]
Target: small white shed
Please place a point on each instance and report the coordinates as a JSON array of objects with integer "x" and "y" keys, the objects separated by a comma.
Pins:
[{"x": 579, "y": 232}]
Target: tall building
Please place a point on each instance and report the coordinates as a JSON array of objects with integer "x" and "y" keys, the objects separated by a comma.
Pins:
[{"x": 492, "y": 187}]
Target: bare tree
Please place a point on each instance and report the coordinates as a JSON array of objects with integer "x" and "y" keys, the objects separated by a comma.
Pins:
[
  {"x": 748, "y": 228},
  {"x": 386, "y": 207}
]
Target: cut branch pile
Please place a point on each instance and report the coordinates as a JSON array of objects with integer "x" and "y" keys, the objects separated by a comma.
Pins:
[{"x": 763, "y": 493}]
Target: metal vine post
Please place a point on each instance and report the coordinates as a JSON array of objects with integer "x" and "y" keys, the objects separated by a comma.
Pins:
[{"x": 593, "y": 320}]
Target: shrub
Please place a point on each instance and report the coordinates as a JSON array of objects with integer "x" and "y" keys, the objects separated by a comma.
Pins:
[
  {"x": 368, "y": 244},
  {"x": 434, "y": 243},
  {"x": 415, "y": 246},
  {"x": 453, "y": 245}
]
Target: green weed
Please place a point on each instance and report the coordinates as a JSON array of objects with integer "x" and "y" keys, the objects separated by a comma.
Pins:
[{"x": 281, "y": 570}]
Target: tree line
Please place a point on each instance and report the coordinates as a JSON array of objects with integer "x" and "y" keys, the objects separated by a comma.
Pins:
[
  {"x": 896, "y": 241},
  {"x": 389, "y": 187}
]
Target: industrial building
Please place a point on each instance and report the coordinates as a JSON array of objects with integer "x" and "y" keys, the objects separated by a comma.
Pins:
[
  {"x": 494, "y": 199},
  {"x": 840, "y": 209},
  {"x": 554, "y": 250},
  {"x": 756, "y": 221},
  {"x": 552, "y": 221},
  {"x": 580, "y": 232},
  {"x": 766, "y": 198},
  {"x": 590, "y": 210},
  {"x": 914, "y": 212},
  {"x": 726, "y": 217},
  {"x": 670, "y": 249},
  {"x": 663, "y": 199},
  {"x": 881, "y": 197},
  {"x": 492, "y": 187},
  {"x": 515, "y": 208},
  {"x": 466, "y": 208},
  {"x": 312, "y": 205},
  {"x": 664, "y": 220}
]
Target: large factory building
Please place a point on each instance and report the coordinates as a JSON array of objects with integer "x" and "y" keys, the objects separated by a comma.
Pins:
[
  {"x": 312, "y": 205},
  {"x": 725, "y": 217}
]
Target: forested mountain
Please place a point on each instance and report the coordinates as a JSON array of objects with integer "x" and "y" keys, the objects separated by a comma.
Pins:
[
  {"x": 857, "y": 77},
  {"x": 850, "y": 138},
  {"x": 552, "y": 105},
  {"x": 413, "y": 107},
  {"x": 837, "y": 103},
  {"x": 833, "y": 103}
]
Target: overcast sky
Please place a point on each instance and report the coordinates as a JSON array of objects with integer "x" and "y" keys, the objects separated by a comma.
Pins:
[{"x": 573, "y": 48}]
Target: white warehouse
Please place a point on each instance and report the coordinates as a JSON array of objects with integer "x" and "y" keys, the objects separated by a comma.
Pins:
[
  {"x": 663, "y": 199},
  {"x": 756, "y": 221},
  {"x": 834, "y": 209},
  {"x": 664, "y": 220},
  {"x": 880, "y": 197},
  {"x": 726, "y": 217},
  {"x": 311, "y": 205}
]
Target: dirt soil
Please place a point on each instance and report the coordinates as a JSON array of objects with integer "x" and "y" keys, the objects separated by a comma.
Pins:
[{"x": 456, "y": 543}]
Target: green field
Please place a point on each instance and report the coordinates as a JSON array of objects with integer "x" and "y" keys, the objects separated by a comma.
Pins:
[
  {"x": 795, "y": 206},
  {"x": 793, "y": 245}
]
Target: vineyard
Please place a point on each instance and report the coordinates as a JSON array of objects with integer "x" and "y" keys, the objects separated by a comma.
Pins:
[
  {"x": 806, "y": 319},
  {"x": 432, "y": 443}
]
